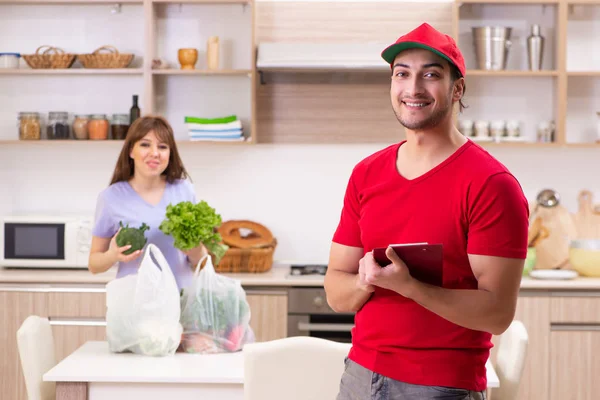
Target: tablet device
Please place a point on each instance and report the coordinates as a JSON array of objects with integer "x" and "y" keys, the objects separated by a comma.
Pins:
[{"x": 424, "y": 261}]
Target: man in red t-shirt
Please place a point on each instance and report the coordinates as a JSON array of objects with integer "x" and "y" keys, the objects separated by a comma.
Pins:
[{"x": 413, "y": 340}]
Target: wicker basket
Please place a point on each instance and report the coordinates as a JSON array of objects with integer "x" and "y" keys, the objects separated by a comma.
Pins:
[
  {"x": 45, "y": 60},
  {"x": 112, "y": 59},
  {"x": 247, "y": 260}
]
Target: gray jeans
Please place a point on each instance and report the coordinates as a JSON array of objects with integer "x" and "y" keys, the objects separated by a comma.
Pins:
[{"x": 359, "y": 383}]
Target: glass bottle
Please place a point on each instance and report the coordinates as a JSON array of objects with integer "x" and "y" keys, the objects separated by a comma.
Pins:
[{"x": 134, "y": 112}]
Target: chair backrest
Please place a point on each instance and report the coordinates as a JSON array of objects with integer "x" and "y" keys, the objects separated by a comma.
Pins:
[
  {"x": 36, "y": 351},
  {"x": 511, "y": 356},
  {"x": 294, "y": 368}
]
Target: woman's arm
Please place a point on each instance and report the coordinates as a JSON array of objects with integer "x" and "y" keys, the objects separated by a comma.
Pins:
[{"x": 105, "y": 252}]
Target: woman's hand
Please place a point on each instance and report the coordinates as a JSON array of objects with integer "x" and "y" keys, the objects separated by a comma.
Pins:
[
  {"x": 195, "y": 255},
  {"x": 116, "y": 252}
]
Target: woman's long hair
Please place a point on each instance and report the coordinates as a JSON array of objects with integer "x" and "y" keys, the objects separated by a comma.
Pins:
[{"x": 124, "y": 169}]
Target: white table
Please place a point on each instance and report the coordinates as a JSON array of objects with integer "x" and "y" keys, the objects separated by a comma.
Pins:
[{"x": 92, "y": 372}]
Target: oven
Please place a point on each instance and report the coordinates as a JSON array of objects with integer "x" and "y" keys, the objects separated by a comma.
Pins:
[{"x": 310, "y": 315}]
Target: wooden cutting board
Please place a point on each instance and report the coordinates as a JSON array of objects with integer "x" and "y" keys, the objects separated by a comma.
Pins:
[
  {"x": 586, "y": 219},
  {"x": 552, "y": 252}
]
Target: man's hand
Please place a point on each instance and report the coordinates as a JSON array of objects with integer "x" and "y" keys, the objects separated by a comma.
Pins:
[{"x": 394, "y": 276}]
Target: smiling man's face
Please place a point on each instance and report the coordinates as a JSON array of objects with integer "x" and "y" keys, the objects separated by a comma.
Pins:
[{"x": 422, "y": 90}]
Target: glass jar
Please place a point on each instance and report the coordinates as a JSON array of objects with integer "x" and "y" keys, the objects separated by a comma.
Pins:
[
  {"x": 80, "y": 127},
  {"x": 98, "y": 127},
  {"x": 58, "y": 125},
  {"x": 120, "y": 126},
  {"x": 29, "y": 126}
]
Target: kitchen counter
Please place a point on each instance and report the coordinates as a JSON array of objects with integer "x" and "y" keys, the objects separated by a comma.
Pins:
[{"x": 278, "y": 276}]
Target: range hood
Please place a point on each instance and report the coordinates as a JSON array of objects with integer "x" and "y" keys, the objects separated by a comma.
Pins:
[{"x": 299, "y": 56}]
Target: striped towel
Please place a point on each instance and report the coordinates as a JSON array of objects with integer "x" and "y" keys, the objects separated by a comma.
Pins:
[{"x": 228, "y": 127}]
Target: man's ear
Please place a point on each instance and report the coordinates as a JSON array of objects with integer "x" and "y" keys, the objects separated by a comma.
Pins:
[{"x": 459, "y": 89}]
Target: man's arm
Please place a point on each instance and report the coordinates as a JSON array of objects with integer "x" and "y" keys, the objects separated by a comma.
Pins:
[
  {"x": 490, "y": 308},
  {"x": 345, "y": 290}
]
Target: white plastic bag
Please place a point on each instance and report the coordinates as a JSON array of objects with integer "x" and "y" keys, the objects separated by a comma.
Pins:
[
  {"x": 215, "y": 314},
  {"x": 143, "y": 310}
]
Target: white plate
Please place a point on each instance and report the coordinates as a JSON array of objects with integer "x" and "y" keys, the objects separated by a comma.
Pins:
[{"x": 553, "y": 274}]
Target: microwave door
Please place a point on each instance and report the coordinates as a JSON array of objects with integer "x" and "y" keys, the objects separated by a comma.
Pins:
[{"x": 34, "y": 244}]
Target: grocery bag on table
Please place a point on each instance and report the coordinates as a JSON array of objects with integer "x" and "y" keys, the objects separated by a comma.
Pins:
[
  {"x": 215, "y": 314},
  {"x": 143, "y": 310}
]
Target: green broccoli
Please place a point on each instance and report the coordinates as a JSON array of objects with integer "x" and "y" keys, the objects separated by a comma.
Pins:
[{"x": 133, "y": 236}]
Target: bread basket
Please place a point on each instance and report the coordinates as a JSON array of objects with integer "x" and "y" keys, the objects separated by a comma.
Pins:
[
  {"x": 49, "y": 57},
  {"x": 250, "y": 253},
  {"x": 112, "y": 59}
]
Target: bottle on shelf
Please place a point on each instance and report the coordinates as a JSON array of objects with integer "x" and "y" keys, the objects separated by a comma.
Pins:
[
  {"x": 134, "y": 112},
  {"x": 535, "y": 48}
]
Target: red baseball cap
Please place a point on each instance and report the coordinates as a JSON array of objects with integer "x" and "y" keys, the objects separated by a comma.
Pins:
[{"x": 428, "y": 38}]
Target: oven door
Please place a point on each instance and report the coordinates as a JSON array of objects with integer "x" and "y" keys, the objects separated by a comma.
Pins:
[{"x": 332, "y": 327}]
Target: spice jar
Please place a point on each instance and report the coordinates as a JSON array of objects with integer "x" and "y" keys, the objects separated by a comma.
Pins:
[
  {"x": 120, "y": 126},
  {"x": 98, "y": 127},
  {"x": 80, "y": 127},
  {"x": 29, "y": 126},
  {"x": 58, "y": 125}
]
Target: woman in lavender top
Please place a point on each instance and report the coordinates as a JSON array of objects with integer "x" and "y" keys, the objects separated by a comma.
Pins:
[{"x": 149, "y": 175}]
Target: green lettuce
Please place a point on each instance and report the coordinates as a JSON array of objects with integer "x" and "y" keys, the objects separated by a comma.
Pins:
[{"x": 192, "y": 224}]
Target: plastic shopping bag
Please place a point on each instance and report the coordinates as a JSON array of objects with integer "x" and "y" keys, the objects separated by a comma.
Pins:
[
  {"x": 215, "y": 314},
  {"x": 143, "y": 310}
]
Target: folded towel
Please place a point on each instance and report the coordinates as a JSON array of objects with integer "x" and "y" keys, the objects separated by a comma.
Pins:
[
  {"x": 233, "y": 133},
  {"x": 235, "y": 139},
  {"x": 223, "y": 120},
  {"x": 229, "y": 136},
  {"x": 215, "y": 127}
]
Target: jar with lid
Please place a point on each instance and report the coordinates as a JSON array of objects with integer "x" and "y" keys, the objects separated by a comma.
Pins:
[
  {"x": 58, "y": 125},
  {"x": 80, "y": 126},
  {"x": 98, "y": 127},
  {"x": 29, "y": 126},
  {"x": 120, "y": 126}
]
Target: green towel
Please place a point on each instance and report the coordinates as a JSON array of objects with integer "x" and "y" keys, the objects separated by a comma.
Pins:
[{"x": 223, "y": 120}]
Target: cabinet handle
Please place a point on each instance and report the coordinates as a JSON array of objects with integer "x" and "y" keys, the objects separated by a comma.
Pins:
[
  {"x": 576, "y": 293},
  {"x": 305, "y": 326},
  {"x": 574, "y": 327},
  {"x": 77, "y": 322}
]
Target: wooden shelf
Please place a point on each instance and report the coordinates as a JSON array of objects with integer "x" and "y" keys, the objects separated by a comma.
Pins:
[
  {"x": 584, "y": 73},
  {"x": 72, "y": 71},
  {"x": 201, "y": 72},
  {"x": 583, "y": 2},
  {"x": 509, "y": 2},
  {"x": 202, "y": 1},
  {"x": 108, "y": 142},
  {"x": 515, "y": 73},
  {"x": 66, "y": 2}
]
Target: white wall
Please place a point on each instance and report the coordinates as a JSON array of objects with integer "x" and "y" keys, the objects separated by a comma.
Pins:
[{"x": 295, "y": 190}]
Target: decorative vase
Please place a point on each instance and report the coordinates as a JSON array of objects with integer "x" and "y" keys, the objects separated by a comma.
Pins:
[{"x": 187, "y": 58}]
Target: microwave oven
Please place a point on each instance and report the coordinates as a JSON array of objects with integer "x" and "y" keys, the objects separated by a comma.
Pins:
[{"x": 45, "y": 241}]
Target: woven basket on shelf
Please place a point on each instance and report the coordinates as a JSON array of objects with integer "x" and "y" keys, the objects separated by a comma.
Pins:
[
  {"x": 50, "y": 58},
  {"x": 247, "y": 260},
  {"x": 112, "y": 59}
]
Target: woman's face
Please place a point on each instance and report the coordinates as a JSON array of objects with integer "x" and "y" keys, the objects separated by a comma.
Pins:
[{"x": 150, "y": 156}]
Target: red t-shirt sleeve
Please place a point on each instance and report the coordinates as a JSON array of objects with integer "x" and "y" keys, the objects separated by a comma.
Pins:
[
  {"x": 499, "y": 219},
  {"x": 348, "y": 229}
]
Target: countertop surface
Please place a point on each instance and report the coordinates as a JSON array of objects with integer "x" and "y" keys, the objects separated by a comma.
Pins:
[
  {"x": 93, "y": 362},
  {"x": 278, "y": 276}
]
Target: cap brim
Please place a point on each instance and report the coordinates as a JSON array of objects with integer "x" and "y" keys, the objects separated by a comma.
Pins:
[{"x": 390, "y": 53}]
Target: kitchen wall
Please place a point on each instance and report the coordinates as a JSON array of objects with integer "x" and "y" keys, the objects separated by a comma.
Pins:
[{"x": 295, "y": 190}]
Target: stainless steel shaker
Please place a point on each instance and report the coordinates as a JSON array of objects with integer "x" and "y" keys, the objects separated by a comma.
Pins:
[{"x": 535, "y": 48}]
